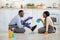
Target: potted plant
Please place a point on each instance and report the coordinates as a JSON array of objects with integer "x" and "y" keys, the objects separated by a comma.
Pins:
[{"x": 29, "y": 5}]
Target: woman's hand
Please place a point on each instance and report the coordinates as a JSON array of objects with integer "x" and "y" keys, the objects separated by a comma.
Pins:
[
  {"x": 41, "y": 20},
  {"x": 46, "y": 33}
]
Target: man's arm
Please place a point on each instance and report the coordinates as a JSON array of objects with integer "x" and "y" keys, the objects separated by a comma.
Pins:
[{"x": 19, "y": 23}]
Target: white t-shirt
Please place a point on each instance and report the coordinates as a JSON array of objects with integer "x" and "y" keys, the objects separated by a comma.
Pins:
[{"x": 17, "y": 20}]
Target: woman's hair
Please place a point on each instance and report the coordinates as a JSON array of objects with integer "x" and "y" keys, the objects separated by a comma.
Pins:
[{"x": 47, "y": 13}]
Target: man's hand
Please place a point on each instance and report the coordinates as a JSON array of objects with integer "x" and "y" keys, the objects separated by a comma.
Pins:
[
  {"x": 28, "y": 18},
  {"x": 10, "y": 28},
  {"x": 46, "y": 33},
  {"x": 23, "y": 25}
]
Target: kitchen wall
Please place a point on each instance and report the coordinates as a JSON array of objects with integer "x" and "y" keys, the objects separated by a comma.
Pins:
[{"x": 23, "y": 2}]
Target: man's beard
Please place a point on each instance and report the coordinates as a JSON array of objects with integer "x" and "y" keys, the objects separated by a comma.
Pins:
[{"x": 21, "y": 16}]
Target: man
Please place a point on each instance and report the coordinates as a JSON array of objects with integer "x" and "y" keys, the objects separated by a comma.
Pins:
[{"x": 17, "y": 26}]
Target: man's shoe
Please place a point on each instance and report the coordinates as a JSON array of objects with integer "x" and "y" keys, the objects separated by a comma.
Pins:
[{"x": 33, "y": 28}]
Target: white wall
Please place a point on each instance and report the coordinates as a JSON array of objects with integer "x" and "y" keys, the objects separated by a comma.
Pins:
[
  {"x": 23, "y": 2},
  {"x": 7, "y": 14}
]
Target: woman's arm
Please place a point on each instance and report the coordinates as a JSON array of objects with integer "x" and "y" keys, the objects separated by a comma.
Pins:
[
  {"x": 47, "y": 25},
  {"x": 41, "y": 20},
  {"x": 47, "y": 22}
]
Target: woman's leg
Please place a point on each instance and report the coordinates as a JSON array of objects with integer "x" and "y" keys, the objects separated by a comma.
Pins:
[
  {"x": 51, "y": 29},
  {"x": 41, "y": 30}
]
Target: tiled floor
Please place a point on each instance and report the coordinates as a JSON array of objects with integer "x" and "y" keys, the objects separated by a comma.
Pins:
[{"x": 32, "y": 36}]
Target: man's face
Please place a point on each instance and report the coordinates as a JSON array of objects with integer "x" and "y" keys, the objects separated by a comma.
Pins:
[{"x": 21, "y": 14}]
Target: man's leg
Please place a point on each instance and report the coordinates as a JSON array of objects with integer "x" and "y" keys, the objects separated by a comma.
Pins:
[
  {"x": 11, "y": 26},
  {"x": 19, "y": 30},
  {"x": 32, "y": 28},
  {"x": 16, "y": 29},
  {"x": 28, "y": 25}
]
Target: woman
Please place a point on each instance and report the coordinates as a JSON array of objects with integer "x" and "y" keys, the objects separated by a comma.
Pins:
[{"x": 48, "y": 24}]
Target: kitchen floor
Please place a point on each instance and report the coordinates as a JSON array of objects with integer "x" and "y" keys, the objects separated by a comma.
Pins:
[{"x": 28, "y": 35}]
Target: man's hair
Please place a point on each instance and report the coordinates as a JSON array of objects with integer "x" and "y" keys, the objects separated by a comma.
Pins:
[
  {"x": 20, "y": 11},
  {"x": 47, "y": 13}
]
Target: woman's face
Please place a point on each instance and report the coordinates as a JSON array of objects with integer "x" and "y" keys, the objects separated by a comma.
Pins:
[{"x": 44, "y": 15}]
